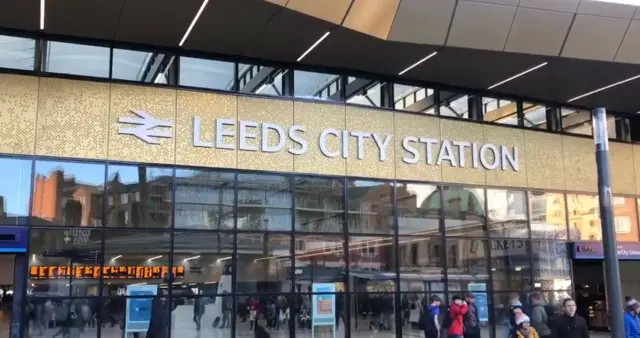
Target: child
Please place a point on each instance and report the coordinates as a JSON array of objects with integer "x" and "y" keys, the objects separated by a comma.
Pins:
[{"x": 523, "y": 328}]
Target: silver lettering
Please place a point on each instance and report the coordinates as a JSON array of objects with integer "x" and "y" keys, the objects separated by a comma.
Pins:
[
  {"x": 244, "y": 135},
  {"x": 382, "y": 145},
  {"x": 428, "y": 142},
  {"x": 483, "y": 156},
  {"x": 221, "y": 133},
  {"x": 410, "y": 149},
  {"x": 510, "y": 157},
  {"x": 323, "y": 143},
  {"x": 461, "y": 145},
  {"x": 298, "y": 139},
  {"x": 265, "y": 138},
  {"x": 446, "y": 154},
  {"x": 197, "y": 142}
]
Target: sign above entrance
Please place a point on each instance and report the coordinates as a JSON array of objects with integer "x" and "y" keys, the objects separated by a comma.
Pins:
[
  {"x": 595, "y": 250},
  {"x": 266, "y": 137}
]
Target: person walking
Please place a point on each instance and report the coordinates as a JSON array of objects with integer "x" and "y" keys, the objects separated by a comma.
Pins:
[
  {"x": 456, "y": 313},
  {"x": 471, "y": 320},
  {"x": 570, "y": 324},
  {"x": 523, "y": 328},
  {"x": 631, "y": 322},
  {"x": 540, "y": 315}
]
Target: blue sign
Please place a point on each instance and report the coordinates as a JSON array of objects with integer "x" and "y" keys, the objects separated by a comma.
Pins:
[
  {"x": 138, "y": 313},
  {"x": 479, "y": 291},
  {"x": 323, "y": 307}
]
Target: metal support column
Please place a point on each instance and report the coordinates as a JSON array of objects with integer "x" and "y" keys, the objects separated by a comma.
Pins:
[{"x": 612, "y": 270}]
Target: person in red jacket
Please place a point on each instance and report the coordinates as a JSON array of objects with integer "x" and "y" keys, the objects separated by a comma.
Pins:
[{"x": 456, "y": 313}]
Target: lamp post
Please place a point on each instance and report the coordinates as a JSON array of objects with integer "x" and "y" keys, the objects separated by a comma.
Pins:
[{"x": 612, "y": 270}]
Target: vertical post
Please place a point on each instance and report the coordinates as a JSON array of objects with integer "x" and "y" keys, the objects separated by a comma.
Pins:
[{"x": 612, "y": 270}]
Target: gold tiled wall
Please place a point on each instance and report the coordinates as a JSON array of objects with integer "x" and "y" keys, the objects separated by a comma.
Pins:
[{"x": 80, "y": 119}]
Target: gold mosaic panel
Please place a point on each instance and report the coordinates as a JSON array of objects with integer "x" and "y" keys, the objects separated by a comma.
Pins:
[
  {"x": 623, "y": 178},
  {"x": 579, "y": 164},
  {"x": 316, "y": 117},
  {"x": 545, "y": 165},
  {"x": 159, "y": 103},
  {"x": 18, "y": 109},
  {"x": 260, "y": 110},
  {"x": 509, "y": 137},
  {"x": 371, "y": 121},
  {"x": 72, "y": 118},
  {"x": 462, "y": 131},
  {"x": 416, "y": 126},
  {"x": 208, "y": 107},
  {"x": 636, "y": 166}
]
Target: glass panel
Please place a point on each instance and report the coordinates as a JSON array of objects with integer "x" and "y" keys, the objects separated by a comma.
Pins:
[
  {"x": 206, "y": 259},
  {"x": 625, "y": 219},
  {"x": 156, "y": 307},
  {"x": 271, "y": 312},
  {"x": 139, "y": 196},
  {"x": 370, "y": 206},
  {"x": 319, "y": 86},
  {"x": 64, "y": 263},
  {"x": 302, "y": 312},
  {"x": 141, "y": 66},
  {"x": 576, "y": 121},
  {"x": 364, "y": 92},
  {"x": 548, "y": 216},
  {"x": 68, "y": 58},
  {"x": 551, "y": 265},
  {"x": 204, "y": 200},
  {"x": 68, "y": 193},
  {"x": 418, "y": 209},
  {"x": 319, "y": 204},
  {"x": 372, "y": 263},
  {"x": 201, "y": 316},
  {"x": 412, "y": 305},
  {"x": 467, "y": 265},
  {"x": 584, "y": 217},
  {"x": 503, "y": 310},
  {"x": 500, "y": 111},
  {"x": 507, "y": 213},
  {"x": 137, "y": 257},
  {"x": 204, "y": 73},
  {"x": 454, "y": 105},
  {"x": 17, "y": 53},
  {"x": 319, "y": 259},
  {"x": 15, "y": 191},
  {"x": 264, "y": 202},
  {"x": 510, "y": 264},
  {"x": 263, "y": 263},
  {"x": 373, "y": 315},
  {"x": 414, "y": 99},
  {"x": 535, "y": 115},
  {"x": 464, "y": 213},
  {"x": 262, "y": 80},
  {"x": 421, "y": 264},
  {"x": 62, "y": 317}
]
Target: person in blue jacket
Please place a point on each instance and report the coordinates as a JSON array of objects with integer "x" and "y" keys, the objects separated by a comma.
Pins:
[{"x": 631, "y": 322}]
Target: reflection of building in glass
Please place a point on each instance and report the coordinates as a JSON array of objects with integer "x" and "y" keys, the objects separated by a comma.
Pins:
[
  {"x": 145, "y": 203},
  {"x": 64, "y": 201}
]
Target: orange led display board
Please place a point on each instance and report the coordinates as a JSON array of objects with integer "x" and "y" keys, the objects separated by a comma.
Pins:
[{"x": 109, "y": 272}]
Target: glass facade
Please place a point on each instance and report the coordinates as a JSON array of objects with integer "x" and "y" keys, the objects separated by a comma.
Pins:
[{"x": 244, "y": 244}]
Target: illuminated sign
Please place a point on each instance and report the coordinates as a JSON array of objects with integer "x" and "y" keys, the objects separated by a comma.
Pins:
[{"x": 109, "y": 272}]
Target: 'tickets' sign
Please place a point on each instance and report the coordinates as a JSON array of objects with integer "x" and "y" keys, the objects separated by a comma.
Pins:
[{"x": 109, "y": 272}]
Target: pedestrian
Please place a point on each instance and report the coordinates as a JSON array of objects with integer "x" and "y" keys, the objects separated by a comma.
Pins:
[
  {"x": 456, "y": 313},
  {"x": 198, "y": 312},
  {"x": 540, "y": 312},
  {"x": 631, "y": 323},
  {"x": 523, "y": 328},
  {"x": 570, "y": 324},
  {"x": 429, "y": 321},
  {"x": 415, "y": 310},
  {"x": 471, "y": 320}
]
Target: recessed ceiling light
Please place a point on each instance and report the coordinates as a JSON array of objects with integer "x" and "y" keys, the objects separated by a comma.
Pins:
[
  {"x": 42, "y": 14},
  {"x": 604, "y": 88},
  {"x": 419, "y": 62},
  {"x": 313, "y": 46},
  {"x": 621, "y": 2},
  {"x": 518, "y": 75},
  {"x": 193, "y": 22}
]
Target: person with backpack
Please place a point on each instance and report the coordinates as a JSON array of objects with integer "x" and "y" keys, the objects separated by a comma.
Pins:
[
  {"x": 471, "y": 320},
  {"x": 542, "y": 315},
  {"x": 429, "y": 321},
  {"x": 457, "y": 310}
]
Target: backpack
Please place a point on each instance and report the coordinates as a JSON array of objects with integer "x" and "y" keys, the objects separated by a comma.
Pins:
[
  {"x": 551, "y": 312},
  {"x": 446, "y": 323},
  {"x": 412, "y": 306}
]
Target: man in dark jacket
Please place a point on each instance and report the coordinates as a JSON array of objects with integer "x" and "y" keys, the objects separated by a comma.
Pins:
[
  {"x": 471, "y": 320},
  {"x": 570, "y": 324}
]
